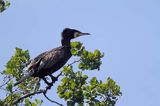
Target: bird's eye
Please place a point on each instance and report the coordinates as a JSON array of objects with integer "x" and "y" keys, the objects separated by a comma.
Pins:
[{"x": 76, "y": 34}]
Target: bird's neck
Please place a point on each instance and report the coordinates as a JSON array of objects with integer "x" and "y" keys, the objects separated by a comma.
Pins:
[{"x": 66, "y": 42}]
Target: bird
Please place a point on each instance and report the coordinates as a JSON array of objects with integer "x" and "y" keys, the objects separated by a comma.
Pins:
[{"x": 51, "y": 61}]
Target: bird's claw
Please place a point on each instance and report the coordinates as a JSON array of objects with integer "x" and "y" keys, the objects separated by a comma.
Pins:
[
  {"x": 54, "y": 79},
  {"x": 50, "y": 84}
]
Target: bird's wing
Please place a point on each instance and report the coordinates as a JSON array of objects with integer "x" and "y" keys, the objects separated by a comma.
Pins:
[
  {"x": 43, "y": 61},
  {"x": 51, "y": 58},
  {"x": 47, "y": 59},
  {"x": 35, "y": 62}
]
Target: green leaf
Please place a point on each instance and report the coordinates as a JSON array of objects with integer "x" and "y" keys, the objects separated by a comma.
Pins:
[
  {"x": 74, "y": 52},
  {"x": 9, "y": 86},
  {"x": 76, "y": 45},
  {"x": 94, "y": 81},
  {"x": 81, "y": 66},
  {"x": 73, "y": 84},
  {"x": 97, "y": 53},
  {"x": 7, "y": 4},
  {"x": 38, "y": 101},
  {"x": 90, "y": 55},
  {"x": 65, "y": 79},
  {"x": 85, "y": 77},
  {"x": 33, "y": 104},
  {"x": 67, "y": 95}
]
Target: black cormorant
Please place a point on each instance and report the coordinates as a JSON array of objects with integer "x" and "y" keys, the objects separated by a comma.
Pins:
[{"x": 50, "y": 61}]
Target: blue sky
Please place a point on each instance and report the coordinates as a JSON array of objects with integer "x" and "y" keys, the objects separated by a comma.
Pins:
[{"x": 126, "y": 31}]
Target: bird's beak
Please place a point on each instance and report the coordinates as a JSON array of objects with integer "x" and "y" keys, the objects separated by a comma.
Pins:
[
  {"x": 81, "y": 34},
  {"x": 77, "y": 34}
]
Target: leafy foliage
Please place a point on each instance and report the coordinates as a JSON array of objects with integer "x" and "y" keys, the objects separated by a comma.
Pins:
[
  {"x": 88, "y": 60},
  {"x": 13, "y": 72},
  {"x": 4, "y": 4},
  {"x": 75, "y": 88}
]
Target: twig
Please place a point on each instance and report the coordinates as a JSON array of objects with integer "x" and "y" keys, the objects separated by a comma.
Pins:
[
  {"x": 5, "y": 82},
  {"x": 49, "y": 87},
  {"x": 52, "y": 100},
  {"x": 74, "y": 62},
  {"x": 59, "y": 74}
]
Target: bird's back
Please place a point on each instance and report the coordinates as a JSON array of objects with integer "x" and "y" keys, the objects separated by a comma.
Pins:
[{"x": 50, "y": 61}]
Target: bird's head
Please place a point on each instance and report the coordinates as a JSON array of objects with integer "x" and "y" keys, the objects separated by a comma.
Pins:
[{"x": 72, "y": 33}]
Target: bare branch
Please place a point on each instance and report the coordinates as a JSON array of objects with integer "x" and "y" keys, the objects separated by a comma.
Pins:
[
  {"x": 59, "y": 74},
  {"x": 74, "y": 62},
  {"x": 52, "y": 100}
]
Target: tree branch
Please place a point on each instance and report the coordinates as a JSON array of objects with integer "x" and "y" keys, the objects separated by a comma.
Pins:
[
  {"x": 39, "y": 92},
  {"x": 28, "y": 95},
  {"x": 5, "y": 83},
  {"x": 74, "y": 62},
  {"x": 52, "y": 100}
]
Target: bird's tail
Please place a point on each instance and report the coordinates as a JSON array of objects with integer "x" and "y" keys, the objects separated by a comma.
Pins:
[{"x": 24, "y": 78}]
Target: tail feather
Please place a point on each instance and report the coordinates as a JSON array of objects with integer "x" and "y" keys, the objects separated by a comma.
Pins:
[{"x": 24, "y": 78}]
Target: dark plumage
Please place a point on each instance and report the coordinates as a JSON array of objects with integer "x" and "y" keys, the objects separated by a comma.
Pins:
[{"x": 50, "y": 61}]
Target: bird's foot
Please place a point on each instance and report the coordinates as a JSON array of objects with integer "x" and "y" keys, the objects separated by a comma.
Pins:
[
  {"x": 48, "y": 83},
  {"x": 54, "y": 79}
]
